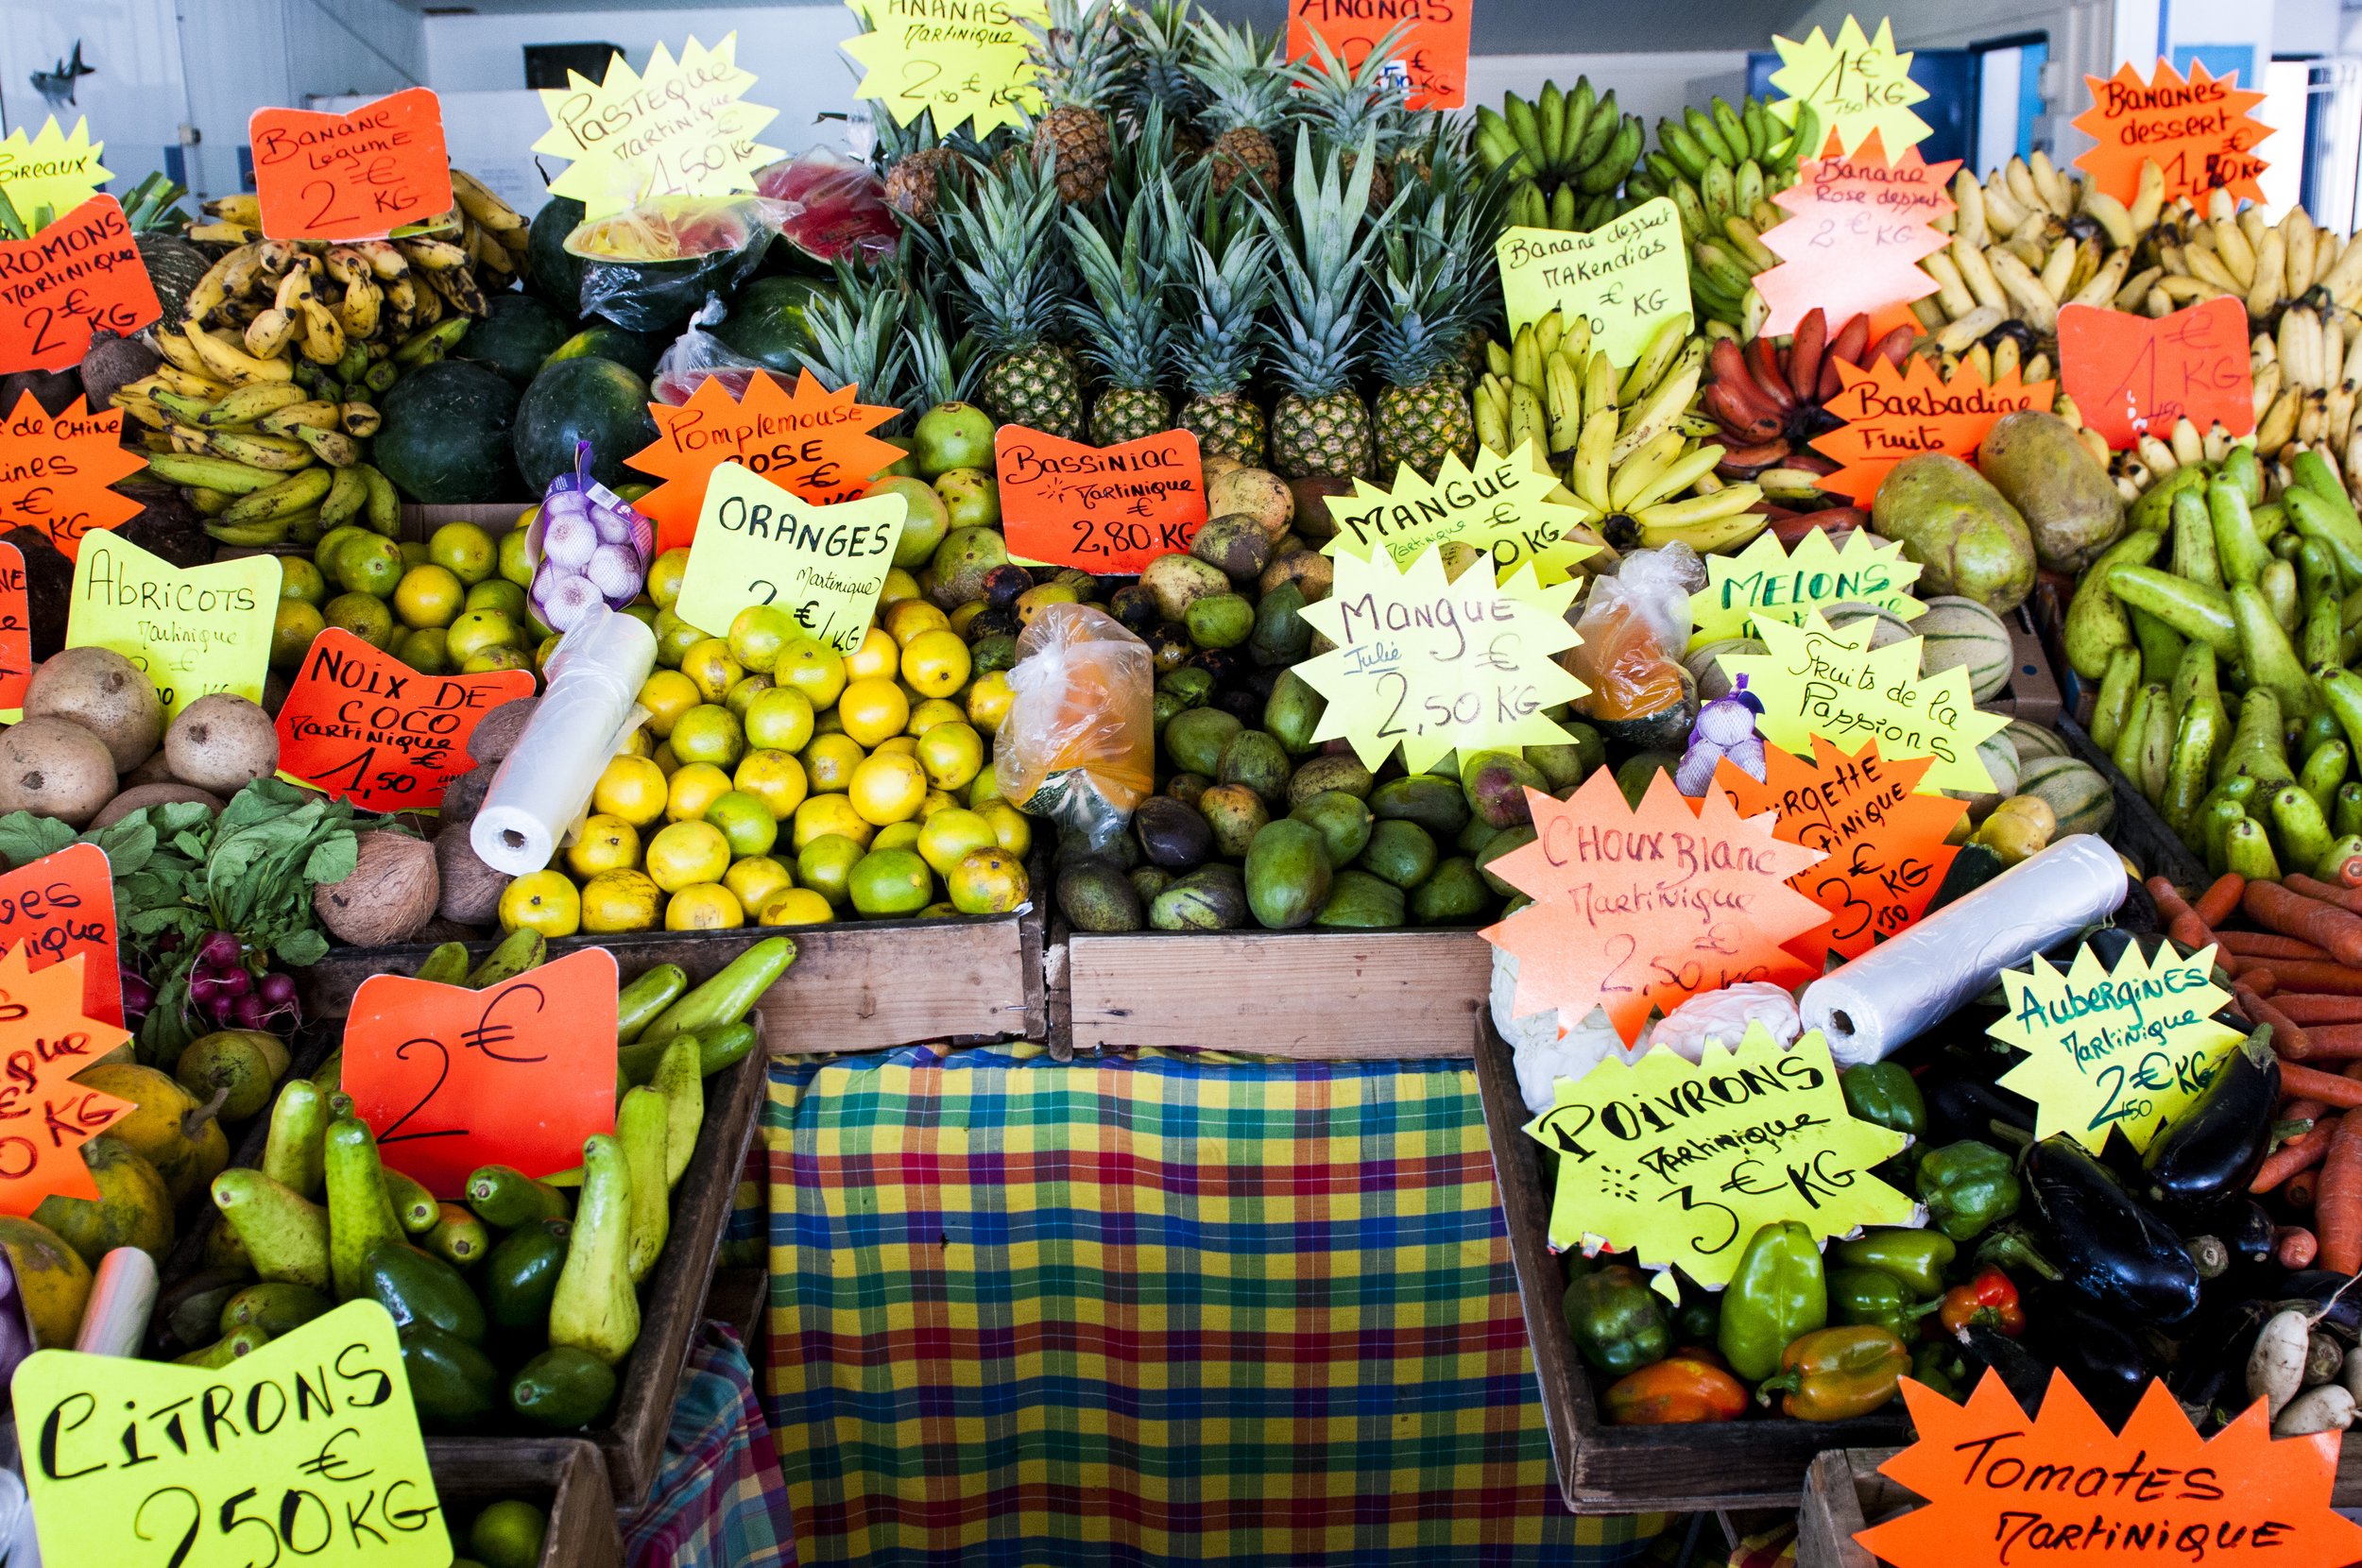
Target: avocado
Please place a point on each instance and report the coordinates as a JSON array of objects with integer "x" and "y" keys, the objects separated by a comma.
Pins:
[
  {"x": 1171, "y": 835},
  {"x": 1235, "y": 814},
  {"x": 1220, "y": 621},
  {"x": 1360, "y": 902},
  {"x": 1474, "y": 837},
  {"x": 1435, "y": 803},
  {"x": 1212, "y": 898},
  {"x": 419, "y": 1288},
  {"x": 1639, "y": 770},
  {"x": 1292, "y": 712},
  {"x": 1503, "y": 841},
  {"x": 1188, "y": 787},
  {"x": 1094, "y": 897},
  {"x": 1341, "y": 820},
  {"x": 1401, "y": 853},
  {"x": 1563, "y": 767},
  {"x": 1342, "y": 771},
  {"x": 1254, "y": 759},
  {"x": 1454, "y": 893},
  {"x": 453, "y": 1384},
  {"x": 1282, "y": 636},
  {"x": 1195, "y": 740},
  {"x": 562, "y": 1389},
  {"x": 1148, "y": 881},
  {"x": 1288, "y": 874},
  {"x": 1496, "y": 783}
]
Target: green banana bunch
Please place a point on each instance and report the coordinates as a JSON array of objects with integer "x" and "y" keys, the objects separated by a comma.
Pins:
[
  {"x": 1570, "y": 152},
  {"x": 1722, "y": 168}
]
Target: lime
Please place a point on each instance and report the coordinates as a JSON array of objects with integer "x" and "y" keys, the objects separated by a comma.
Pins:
[
  {"x": 300, "y": 579},
  {"x": 514, "y": 566},
  {"x": 508, "y": 1534},
  {"x": 369, "y": 565},
  {"x": 888, "y": 882},
  {"x": 465, "y": 551},
  {"x": 425, "y": 649},
  {"x": 497, "y": 593}
]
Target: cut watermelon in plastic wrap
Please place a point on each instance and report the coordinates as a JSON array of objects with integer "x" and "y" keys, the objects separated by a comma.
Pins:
[{"x": 835, "y": 208}]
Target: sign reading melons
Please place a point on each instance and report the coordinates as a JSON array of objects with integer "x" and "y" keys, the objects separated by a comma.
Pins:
[
  {"x": 57, "y": 473},
  {"x": 16, "y": 634},
  {"x": 1859, "y": 85},
  {"x": 451, "y": 1079},
  {"x": 962, "y": 59},
  {"x": 1498, "y": 504},
  {"x": 683, "y": 127},
  {"x": 812, "y": 441},
  {"x": 1627, "y": 277},
  {"x": 2131, "y": 375},
  {"x": 79, "y": 276},
  {"x": 759, "y": 544},
  {"x": 51, "y": 171},
  {"x": 1883, "y": 846},
  {"x": 192, "y": 631},
  {"x": 63, "y": 906},
  {"x": 2197, "y": 129},
  {"x": 1684, "y": 1161},
  {"x": 364, "y": 726},
  {"x": 1891, "y": 414},
  {"x": 2059, "y": 1487},
  {"x": 2127, "y": 1047},
  {"x": 1105, "y": 509},
  {"x": 1643, "y": 907},
  {"x": 305, "y": 1451},
  {"x": 1430, "y": 58},
  {"x": 1855, "y": 232},
  {"x": 1432, "y": 666},
  {"x": 356, "y": 175},
  {"x": 1769, "y": 582},
  {"x": 45, "y": 1117}
]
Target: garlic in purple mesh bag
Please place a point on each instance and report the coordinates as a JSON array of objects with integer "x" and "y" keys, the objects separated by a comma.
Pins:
[
  {"x": 1724, "y": 728},
  {"x": 588, "y": 546}
]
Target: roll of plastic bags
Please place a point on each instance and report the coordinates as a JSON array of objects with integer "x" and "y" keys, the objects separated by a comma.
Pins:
[
  {"x": 1882, "y": 1000},
  {"x": 591, "y": 705}
]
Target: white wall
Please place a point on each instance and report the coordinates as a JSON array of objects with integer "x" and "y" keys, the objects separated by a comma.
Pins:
[
  {"x": 136, "y": 101},
  {"x": 1648, "y": 85},
  {"x": 242, "y": 55}
]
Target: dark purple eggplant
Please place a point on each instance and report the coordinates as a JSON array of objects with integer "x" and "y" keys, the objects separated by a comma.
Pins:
[
  {"x": 2106, "y": 1361},
  {"x": 2212, "y": 1149},
  {"x": 2025, "y": 1373},
  {"x": 2104, "y": 1242}
]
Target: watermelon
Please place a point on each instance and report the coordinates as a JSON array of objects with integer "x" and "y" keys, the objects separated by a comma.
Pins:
[
  {"x": 515, "y": 335},
  {"x": 767, "y": 324},
  {"x": 833, "y": 209},
  {"x": 634, "y": 352},
  {"x": 2074, "y": 790},
  {"x": 445, "y": 437},
  {"x": 1962, "y": 631},
  {"x": 589, "y": 399},
  {"x": 555, "y": 272}
]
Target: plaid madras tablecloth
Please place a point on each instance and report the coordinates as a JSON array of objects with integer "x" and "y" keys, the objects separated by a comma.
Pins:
[
  {"x": 1150, "y": 1311},
  {"x": 719, "y": 1500}
]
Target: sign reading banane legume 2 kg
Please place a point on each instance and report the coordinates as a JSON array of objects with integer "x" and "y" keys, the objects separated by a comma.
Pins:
[
  {"x": 191, "y": 632},
  {"x": 1104, "y": 509},
  {"x": 1626, "y": 277},
  {"x": 759, "y": 544}
]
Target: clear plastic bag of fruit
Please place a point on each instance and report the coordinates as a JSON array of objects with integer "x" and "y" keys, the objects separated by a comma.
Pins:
[
  {"x": 1078, "y": 745},
  {"x": 648, "y": 266},
  {"x": 831, "y": 208},
  {"x": 1634, "y": 627},
  {"x": 698, "y": 356}
]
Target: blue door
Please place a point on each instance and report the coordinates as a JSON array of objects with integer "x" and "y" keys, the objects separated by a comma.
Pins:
[{"x": 1950, "y": 107}]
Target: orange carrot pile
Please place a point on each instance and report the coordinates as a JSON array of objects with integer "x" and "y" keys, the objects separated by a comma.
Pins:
[
  {"x": 2337, "y": 1203},
  {"x": 2324, "y": 925}
]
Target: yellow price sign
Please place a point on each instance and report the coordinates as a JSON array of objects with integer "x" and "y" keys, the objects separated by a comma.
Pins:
[
  {"x": 1627, "y": 277},
  {"x": 193, "y": 631},
  {"x": 1857, "y": 84},
  {"x": 681, "y": 128},
  {"x": 759, "y": 544},
  {"x": 51, "y": 169},
  {"x": 1498, "y": 504},
  {"x": 964, "y": 60},
  {"x": 1768, "y": 581}
]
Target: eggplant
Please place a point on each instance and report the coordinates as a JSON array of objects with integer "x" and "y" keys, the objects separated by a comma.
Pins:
[
  {"x": 2102, "y": 1240},
  {"x": 2106, "y": 1362},
  {"x": 2328, "y": 1293},
  {"x": 1961, "y": 1107},
  {"x": 2213, "y": 1148},
  {"x": 2023, "y": 1372}
]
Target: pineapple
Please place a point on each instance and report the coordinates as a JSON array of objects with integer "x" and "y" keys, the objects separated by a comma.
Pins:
[
  {"x": 1125, "y": 323},
  {"x": 917, "y": 165},
  {"x": 1429, "y": 299},
  {"x": 1246, "y": 93},
  {"x": 1320, "y": 426},
  {"x": 1226, "y": 282},
  {"x": 1078, "y": 60},
  {"x": 1002, "y": 235},
  {"x": 1365, "y": 106},
  {"x": 1162, "y": 40},
  {"x": 855, "y": 337},
  {"x": 942, "y": 368}
]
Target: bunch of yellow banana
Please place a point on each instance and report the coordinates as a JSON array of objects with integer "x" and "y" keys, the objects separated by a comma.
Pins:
[
  {"x": 2202, "y": 256},
  {"x": 490, "y": 234},
  {"x": 1629, "y": 442},
  {"x": 2028, "y": 240}
]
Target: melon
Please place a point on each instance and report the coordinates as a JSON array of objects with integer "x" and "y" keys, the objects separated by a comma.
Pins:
[
  {"x": 1964, "y": 631},
  {"x": 2074, "y": 790},
  {"x": 1891, "y": 627},
  {"x": 2000, "y": 761},
  {"x": 1705, "y": 665},
  {"x": 2033, "y": 740}
]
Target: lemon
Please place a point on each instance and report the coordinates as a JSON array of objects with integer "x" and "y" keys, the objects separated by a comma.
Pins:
[
  {"x": 988, "y": 699},
  {"x": 667, "y": 694},
  {"x": 637, "y": 744},
  {"x": 825, "y": 866},
  {"x": 827, "y": 720},
  {"x": 1010, "y": 825},
  {"x": 498, "y": 593},
  {"x": 515, "y": 567},
  {"x": 778, "y": 720},
  {"x": 899, "y": 584},
  {"x": 664, "y": 759},
  {"x": 888, "y": 882},
  {"x": 292, "y": 631},
  {"x": 744, "y": 821},
  {"x": 829, "y": 763},
  {"x": 888, "y": 787},
  {"x": 710, "y": 662},
  {"x": 463, "y": 550},
  {"x": 664, "y": 575},
  {"x": 824, "y": 814},
  {"x": 758, "y": 633},
  {"x": 878, "y": 655},
  {"x": 692, "y": 788},
  {"x": 542, "y": 900},
  {"x": 873, "y": 707},
  {"x": 429, "y": 596},
  {"x": 897, "y": 835},
  {"x": 987, "y": 881},
  {"x": 476, "y": 630},
  {"x": 709, "y": 733},
  {"x": 620, "y": 901},
  {"x": 686, "y": 853},
  {"x": 704, "y": 906},
  {"x": 605, "y": 844},
  {"x": 935, "y": 663},
  {"x": 986, "y": 787},
  {"x": 425, "y": 651},
  {"x": 300, "y": 579},
  {"x": 796, "y": 907},
  {"x": 774, "y": 777},
  {"x": 952, "y": 754},
  {"x": 950, "y": 836},
  {"x": 910, "y": 618},
  {"x": 936, "y": 801},
  {"x": 756, "y": 880},
  {"x": 812, "y": 668}
]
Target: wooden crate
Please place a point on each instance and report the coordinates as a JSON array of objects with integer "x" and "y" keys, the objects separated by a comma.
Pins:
[
  {"x": 561, "y": 1474},
  {"x": 494, "y": 517},
  {"x": 1752, "y": 1462},
  {"x": 1336, "y": 996},
  {"x": 2137, "y": 831}
]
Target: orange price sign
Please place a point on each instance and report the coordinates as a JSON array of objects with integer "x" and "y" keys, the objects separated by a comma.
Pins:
[
  {"x": 1431, "y": 59},
  {"x": 2197, "y": 129},
  {"x": 61, "y": 906},
  {"x": 356, "y": 175},
  {"x": 366, "y": 727},
  {"x": 1891, "y": 414},
  {"x": 1882, "y": 846},
  {"x": 812, "y": 442},
  {"x": 2129, "y": 374},
  {"x": 451, "y": 1079},
  {"x": 58, "y": 474},
  {"x": 81, "y": 275},
  {"x": 1641, "y": 909},
  {"x": 1855, "y": 232},
  {"x": 2061, "y": 1486},
  {"x": 45, "y": 1117},
  {"x": 16, "y": 633},
  {"x": 1104, "y": 509}
]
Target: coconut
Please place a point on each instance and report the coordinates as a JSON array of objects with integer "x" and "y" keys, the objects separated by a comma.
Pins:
[
  {"x": 55, "y": 768},
  {"x": 106, "y": 694},
  {"x": 222, "y": 743},
  {"x": 464, "y": 795},
  {"x": 143, "y": 795},
  {"x": 390, "y": 895},
  {"x": 495, "y": 734},
  {"x": 470, "y": 890}
]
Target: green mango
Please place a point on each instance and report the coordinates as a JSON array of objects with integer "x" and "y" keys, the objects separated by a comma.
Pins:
[
  {"x": 1403, "y": 853},
  {"x": 1195, "y": 738},
  {"x": 1341, "y": 820},
  {"x": 1435, "y": 803},
  {"x": 1292, "y": 712},
  {"x": 1212, "y": 898},
  {"x": 1359, "y": 902},
  {"x": 1288, "y": 874},
  {"x": 1258, "y": 761},
  {"x": 1456, "y": 893}
]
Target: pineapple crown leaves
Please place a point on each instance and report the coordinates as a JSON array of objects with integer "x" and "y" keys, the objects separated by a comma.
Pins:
[
  {"x": 1323, "y": 262},
  {"x": 1162, "y": 41},
  {"x": 1079, "y": 56},
  {"x": 1124, "y": 319},
  {"x": 1240, "y": 72},
  {"x": 1351, "y": 105},
  {"x": 853, "y": 331},
  {"x": 999, "y": 239},
  {"x": 943, "y": 369},
  {"x": 1226, "y": 282},
  {"x": 1432, "y": 294}
]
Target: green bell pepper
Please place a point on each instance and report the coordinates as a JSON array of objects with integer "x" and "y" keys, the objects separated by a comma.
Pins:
[
  {"x": 1916, "y": 1257},
  {"x": 1885, "y": 1093},
  {"x": 1940, "y": 1365},
  {"x": 1871, "y": 1296},
  {"x": 1618, "y": 1321},
  {"x": 1699, "y": 1320},
  {"x": 1967, "y": 1185},
  {"x": 1777, "y": 1293}
]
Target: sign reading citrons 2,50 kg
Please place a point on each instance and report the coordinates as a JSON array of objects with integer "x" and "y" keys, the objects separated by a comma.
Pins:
[{"x": 759, "y": 544}]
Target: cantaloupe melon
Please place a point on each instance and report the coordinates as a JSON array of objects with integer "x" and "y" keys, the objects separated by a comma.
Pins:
[
  {"x": 1893, "y": 628},
  {"x": 1704, "y": 664},
  {"x": 2033, "y": 740},
  {"x": 2076, "y": 793},
  {"x": 1960, "y": 631}
]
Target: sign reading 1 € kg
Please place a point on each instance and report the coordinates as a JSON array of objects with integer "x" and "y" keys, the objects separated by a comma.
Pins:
[{"x": 759, "y": 544}]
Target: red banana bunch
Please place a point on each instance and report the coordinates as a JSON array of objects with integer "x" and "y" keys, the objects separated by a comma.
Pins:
[{"x": 1770, "y": 400}]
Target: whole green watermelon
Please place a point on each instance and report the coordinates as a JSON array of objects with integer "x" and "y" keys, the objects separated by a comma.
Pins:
[
  {"x": 767, "y": 324},
  {"x": 515, "y": 335},
  {"x": 445, "y": 437},
  {"x": 555, "y": 272},
  {"x": 592, "y": 400}
]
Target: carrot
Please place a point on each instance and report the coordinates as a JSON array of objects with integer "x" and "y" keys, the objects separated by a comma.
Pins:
[
  {"x": 2328, "y": 1087},
  {"x": 2337, "y": 1203},
  {"x": 2294, "y": 1247},
  {"x": 2182, "y": 922},
  {"x": 2267, "y": 945},
  {"x": 2214, "y": 905},
  {"x": 2301, "y": 1110},
  {"x": 2294, "y": 914},
  {"x": 2302, "y": 1153},
  {"x": 2328, "y": 893},
  {"x": 2334, "y": 1042},
  {"x": 2301, "y": 1190},
  {"x": 2289, "y": 1039},
  {"x": 2296, "y": 974},
  {"x": 2257, "y": 980},
  {"x": 2310, "y": 1008}
]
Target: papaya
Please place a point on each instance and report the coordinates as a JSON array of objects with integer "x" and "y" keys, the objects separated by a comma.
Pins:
[
  {"x": 52, "y": 1282},
  {"x": 133, "y": 1207}
]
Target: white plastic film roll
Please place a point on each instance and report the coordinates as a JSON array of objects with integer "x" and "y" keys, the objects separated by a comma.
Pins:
[
  {"x": 1886, "y": 997},
  {"x": 543, "y": 784}
]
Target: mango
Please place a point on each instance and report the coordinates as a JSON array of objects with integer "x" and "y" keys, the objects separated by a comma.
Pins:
[
  {"x": 1340, "y": 771},
  {"x": 1435, "y": 803},
  {"x": 1292, "y": 712},
  {"x": 1195, "y": 740},
  {"x": 1258, "y": 761},
  {"x": 1340, "y": 819},
  {"x": 1235, "y": 813},
  {"x": 1496, "y": 783},
  {"x": 1282, "y": 636},
  {"x": 1212, "y": 898},
  {"x": 1455, "y": 893},
  {"x": 1288, "y": 874},
  {"x": 1400, "y": 853},
  {"x": 1359, "y": 901}
]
